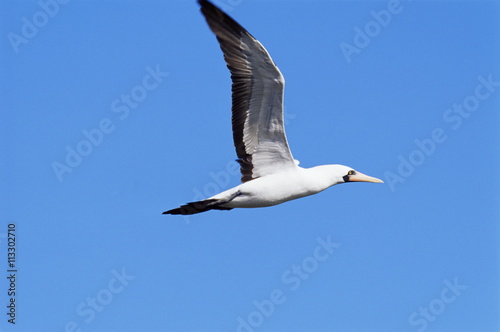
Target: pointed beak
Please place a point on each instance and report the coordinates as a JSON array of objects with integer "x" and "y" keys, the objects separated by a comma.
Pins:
[{"x": 360, "y": 177}]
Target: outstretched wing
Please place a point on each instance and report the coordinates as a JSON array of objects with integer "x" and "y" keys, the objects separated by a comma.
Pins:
[{"x": 257, "y": 95}]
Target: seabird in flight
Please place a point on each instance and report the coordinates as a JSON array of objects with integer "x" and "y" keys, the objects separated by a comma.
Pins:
[{"x": 270, "y": 175}]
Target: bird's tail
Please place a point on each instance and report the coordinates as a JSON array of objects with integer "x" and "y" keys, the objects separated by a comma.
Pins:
[
  {"x": 212, "y": 203},
  {"x": 198, "y": 207}
]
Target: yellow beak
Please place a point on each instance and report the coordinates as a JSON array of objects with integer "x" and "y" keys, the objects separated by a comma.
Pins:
[{"x": 360, "y": 177}]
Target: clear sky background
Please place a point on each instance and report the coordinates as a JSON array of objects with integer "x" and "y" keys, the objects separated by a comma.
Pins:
[{"x": 115, "y": 111}]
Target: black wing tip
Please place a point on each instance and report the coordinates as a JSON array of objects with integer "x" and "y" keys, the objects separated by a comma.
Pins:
[
  {"x": 217, "y": 18},
  {"x": 207, "y": 5}
]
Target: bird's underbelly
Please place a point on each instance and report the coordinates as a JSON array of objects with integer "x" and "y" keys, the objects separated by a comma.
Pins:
[{"x": 270, "y": 191}]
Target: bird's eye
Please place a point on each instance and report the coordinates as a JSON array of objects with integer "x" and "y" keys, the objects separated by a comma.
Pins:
[{"x": 351, "y": 172}]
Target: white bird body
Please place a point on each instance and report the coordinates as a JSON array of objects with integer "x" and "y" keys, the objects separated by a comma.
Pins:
[
  {"x": 270, "y": 174},
  {"x": 283, "y": 186},
  {"x": 277, "y": 188}
]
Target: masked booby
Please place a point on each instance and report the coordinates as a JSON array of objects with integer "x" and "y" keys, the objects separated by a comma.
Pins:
[{"x": 270, "y": 175}]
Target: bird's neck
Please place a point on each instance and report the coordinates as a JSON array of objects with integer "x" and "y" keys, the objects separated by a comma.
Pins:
[{"x": 322, "y": 177}]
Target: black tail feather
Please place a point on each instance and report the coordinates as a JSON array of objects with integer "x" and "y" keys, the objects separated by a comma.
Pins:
[{"x": 197, "y": 207}]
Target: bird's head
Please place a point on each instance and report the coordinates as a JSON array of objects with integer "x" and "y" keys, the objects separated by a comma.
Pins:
[
  {"x": 351, "y": 175},
  {"x": 345, "y": 174}
]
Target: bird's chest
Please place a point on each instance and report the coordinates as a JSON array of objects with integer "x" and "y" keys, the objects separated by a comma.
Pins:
[{"x": 272, "y": 190}]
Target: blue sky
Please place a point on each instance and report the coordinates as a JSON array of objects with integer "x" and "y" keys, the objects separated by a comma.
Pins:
[{"x": 113, "y": 112}]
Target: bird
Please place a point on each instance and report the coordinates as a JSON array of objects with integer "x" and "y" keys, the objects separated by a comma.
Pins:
[{"x": 269, "y": 173}]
